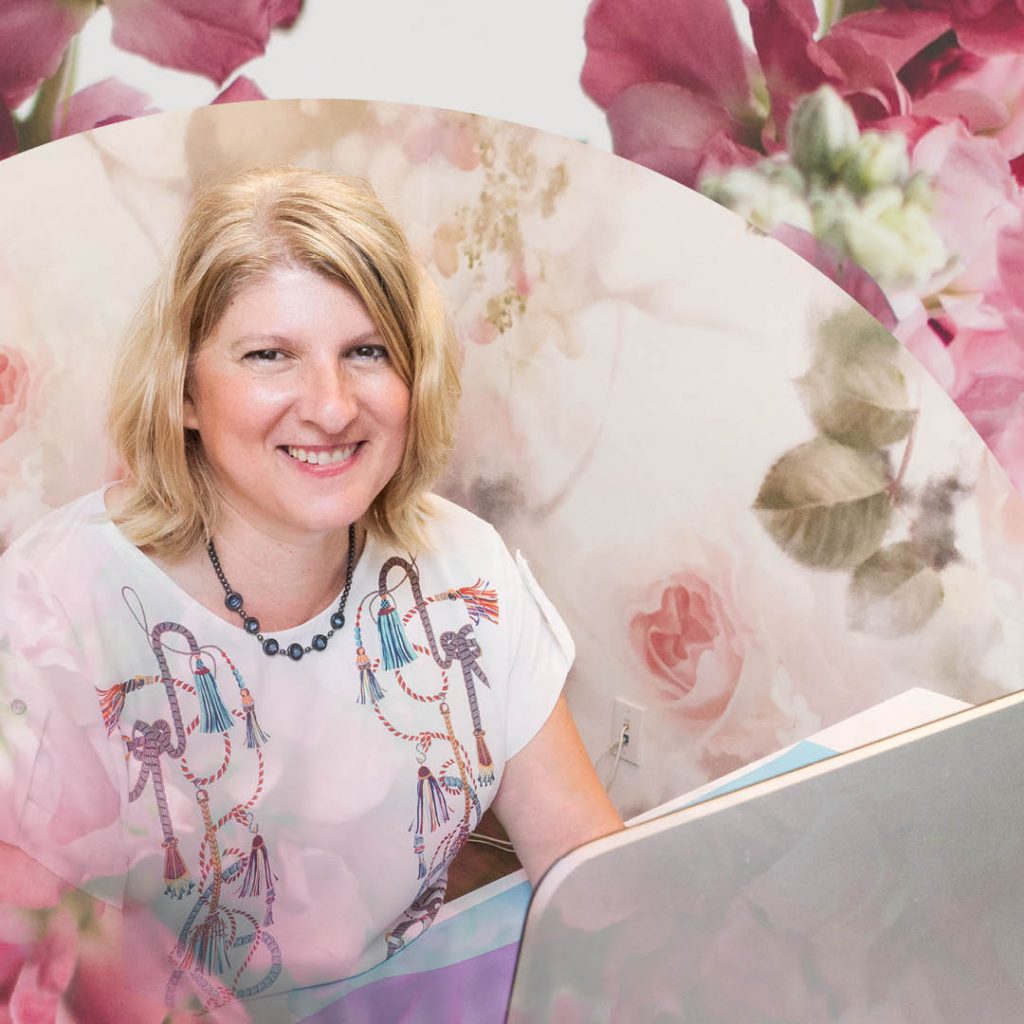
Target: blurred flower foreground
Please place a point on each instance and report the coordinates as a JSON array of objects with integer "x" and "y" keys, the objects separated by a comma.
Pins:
[
  {"x": 884, "y": 145},
  {"x": 39, "y": 98}
]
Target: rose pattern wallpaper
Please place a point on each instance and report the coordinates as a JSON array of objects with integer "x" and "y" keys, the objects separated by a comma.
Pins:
[{"x": 756, "y": 512}]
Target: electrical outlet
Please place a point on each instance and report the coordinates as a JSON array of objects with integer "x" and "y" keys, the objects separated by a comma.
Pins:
[{"x": 633, "y": 715}]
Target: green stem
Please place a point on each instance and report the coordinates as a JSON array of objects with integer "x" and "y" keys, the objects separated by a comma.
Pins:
[
  {"x": 37, "y": 128},
  {"x": 831, "y": 12}
]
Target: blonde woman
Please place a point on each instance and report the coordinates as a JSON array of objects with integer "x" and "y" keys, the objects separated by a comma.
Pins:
[{"x": 268, "y": 684}]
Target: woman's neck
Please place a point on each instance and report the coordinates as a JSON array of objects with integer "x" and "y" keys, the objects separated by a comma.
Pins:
[{"x": 284, "y": 581}]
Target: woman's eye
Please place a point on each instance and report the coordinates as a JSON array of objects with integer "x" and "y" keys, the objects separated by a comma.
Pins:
[
  {"x": 265, "y": 355},
  {"x": 374, "y": 353}
]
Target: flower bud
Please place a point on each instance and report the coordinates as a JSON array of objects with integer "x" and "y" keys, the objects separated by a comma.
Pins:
[
  {"x": 876, "y": 160},
  {"x": 762, "y": 201},
  {"x": 821, "y": 132}
]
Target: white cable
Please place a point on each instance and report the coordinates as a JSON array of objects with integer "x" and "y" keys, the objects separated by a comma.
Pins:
[
  {"x": 617, "y": 747},
  {"x": 497, "y": 844}
]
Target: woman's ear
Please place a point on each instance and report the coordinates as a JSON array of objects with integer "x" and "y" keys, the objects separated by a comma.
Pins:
[{"x": 189, "y": 419}]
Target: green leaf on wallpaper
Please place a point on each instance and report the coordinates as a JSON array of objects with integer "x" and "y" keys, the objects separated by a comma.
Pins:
[
  {"x": 894, "y": 592},
  {"x": 855, "y": 391},
  {"x": 825, "y": 504}
]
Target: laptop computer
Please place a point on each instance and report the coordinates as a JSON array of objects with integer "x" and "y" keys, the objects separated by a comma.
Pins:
[{"x": 881, "y": 885}]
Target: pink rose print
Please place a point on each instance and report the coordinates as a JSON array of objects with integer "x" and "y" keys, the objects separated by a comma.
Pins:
[
  {"x": 13, "y": 390},
  {"x": 689, "y": 643}
]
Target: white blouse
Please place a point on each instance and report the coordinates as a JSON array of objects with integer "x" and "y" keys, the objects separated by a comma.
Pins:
[{"x": 264, "y": 824}]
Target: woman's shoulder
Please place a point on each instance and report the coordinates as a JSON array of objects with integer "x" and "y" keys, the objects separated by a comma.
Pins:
[
  {"x": 450, "y": 527},
  {"x": 65, "y": 533}
]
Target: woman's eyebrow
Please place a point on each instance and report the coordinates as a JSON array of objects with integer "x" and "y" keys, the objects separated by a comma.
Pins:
[{"x": 260, "y": 340}]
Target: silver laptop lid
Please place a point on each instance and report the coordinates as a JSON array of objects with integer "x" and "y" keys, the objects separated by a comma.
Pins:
[{"x": 882, "y": 885}]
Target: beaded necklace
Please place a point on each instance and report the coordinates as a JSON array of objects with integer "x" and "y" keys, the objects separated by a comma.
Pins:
[{"x": 233, "y": 601}]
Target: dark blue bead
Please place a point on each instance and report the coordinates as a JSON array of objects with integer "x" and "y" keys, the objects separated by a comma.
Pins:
[
  {"x": 319, "y": 642},
  {"x": 252, "y": 625},
  {"x": 271, "y": 646},
  {"x": 295, "y": 651},
  {"x": 233, "y": 601},
  {"x": 337, "y": 620}
]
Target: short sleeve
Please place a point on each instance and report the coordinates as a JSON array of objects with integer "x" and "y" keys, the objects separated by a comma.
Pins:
[
  {"x": 542, "y": 654},
  {"x": 62, "y": 778}
]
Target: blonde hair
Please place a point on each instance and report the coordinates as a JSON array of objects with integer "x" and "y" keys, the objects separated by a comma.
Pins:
[{"x": 236, "y": 231}]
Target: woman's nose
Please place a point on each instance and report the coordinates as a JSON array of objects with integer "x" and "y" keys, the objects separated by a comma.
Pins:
[{"x": 329, "y": 399}]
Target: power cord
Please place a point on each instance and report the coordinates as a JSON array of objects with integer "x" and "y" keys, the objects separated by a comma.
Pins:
[
  {"x": 622, "y": 742},
  {"x": 617, "y": 747}
]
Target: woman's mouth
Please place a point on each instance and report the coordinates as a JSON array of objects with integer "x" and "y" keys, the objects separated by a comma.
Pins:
[{"x": 319, "y": 456}]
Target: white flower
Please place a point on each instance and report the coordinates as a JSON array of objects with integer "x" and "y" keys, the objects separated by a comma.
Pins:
[
  {"x": 889, "y": 235},
  {"x": 763, "y": 201},
  {"x": 877, "y": 160}
]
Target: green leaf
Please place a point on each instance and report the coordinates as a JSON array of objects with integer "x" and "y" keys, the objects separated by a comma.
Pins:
[
  {"x": 894, "y": 592},
  {"x": 825, "y": 504},
  {"x": 855, "y": 391}
]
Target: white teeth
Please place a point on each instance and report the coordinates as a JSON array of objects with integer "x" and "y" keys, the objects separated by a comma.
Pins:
[{"x": 322, "y": 457}]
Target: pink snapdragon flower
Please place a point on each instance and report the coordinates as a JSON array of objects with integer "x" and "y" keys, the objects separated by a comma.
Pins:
[{"x": 685, "y": 96}]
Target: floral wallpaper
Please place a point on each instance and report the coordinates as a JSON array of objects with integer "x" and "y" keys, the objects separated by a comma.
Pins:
[{"x": 756, "y": 511}]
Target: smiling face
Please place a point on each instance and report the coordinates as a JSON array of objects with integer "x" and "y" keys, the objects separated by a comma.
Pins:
[{"x": 301, "y": 414}]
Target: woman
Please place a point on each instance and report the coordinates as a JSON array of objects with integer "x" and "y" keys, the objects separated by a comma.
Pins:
[{"x": 268, "y": 671}]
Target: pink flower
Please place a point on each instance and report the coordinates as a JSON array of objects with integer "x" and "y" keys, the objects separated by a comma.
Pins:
[
  {"x": 987, "y": 27},
  {"x": 685, "y": 97},
  {"x": 106, "y": 102},
  {"x": 189, "y": 35},
  {"x": 689, "y": 643},
  {"x": 194, "y": 35},
  {"x": 673, "y": 79},
  {"x": 33, "y": 37},
  {"x": 13, "y": 390}
]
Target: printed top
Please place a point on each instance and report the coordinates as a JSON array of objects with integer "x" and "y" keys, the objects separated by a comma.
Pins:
[{"x": 264, "y": 824}]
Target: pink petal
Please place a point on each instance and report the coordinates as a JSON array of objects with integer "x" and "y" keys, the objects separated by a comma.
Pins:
[
  {"x": 793, "y": 64},
  {"x": 240, "y": 90},
  {"x": 103, "y": 103},
  {"x": 693, "y": 44},
  {"x": 284, "y": 12},
  {"x": 853, "y": 279},
  {"x": 978, "y": 110},
  {"x": 211, "y": 39},
  {"x": 869, "y": 84},
  {"x": 1001, "y": 31},
  {"x": 722, "y": 152},
  {"x": 663, "y": 114},
  {"x": 24, "y": 882},
  {"x": 33, "y": 37},
  {"x": 894, "y": 36},
  {"x": 1010, "y": 261}
]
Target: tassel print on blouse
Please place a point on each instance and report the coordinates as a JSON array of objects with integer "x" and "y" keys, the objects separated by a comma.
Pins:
[
  {"x": 254, "y": 735},
  {"x": 112, "y": 700},
  {"x": 394, "y": 644},
  {"x": 147, "y": 745},
  {"x": 213, "y": 715},
  {"x": 206, "y": 949},
  {"x": 258, "y": 875},
  {"x": 177, "y": 881},
  {"x": 369, "y": 688},
  {"x": 481, "y": 602},
  {"x": 431, "y": 806},
  {"x": 486, "y": 774}
]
